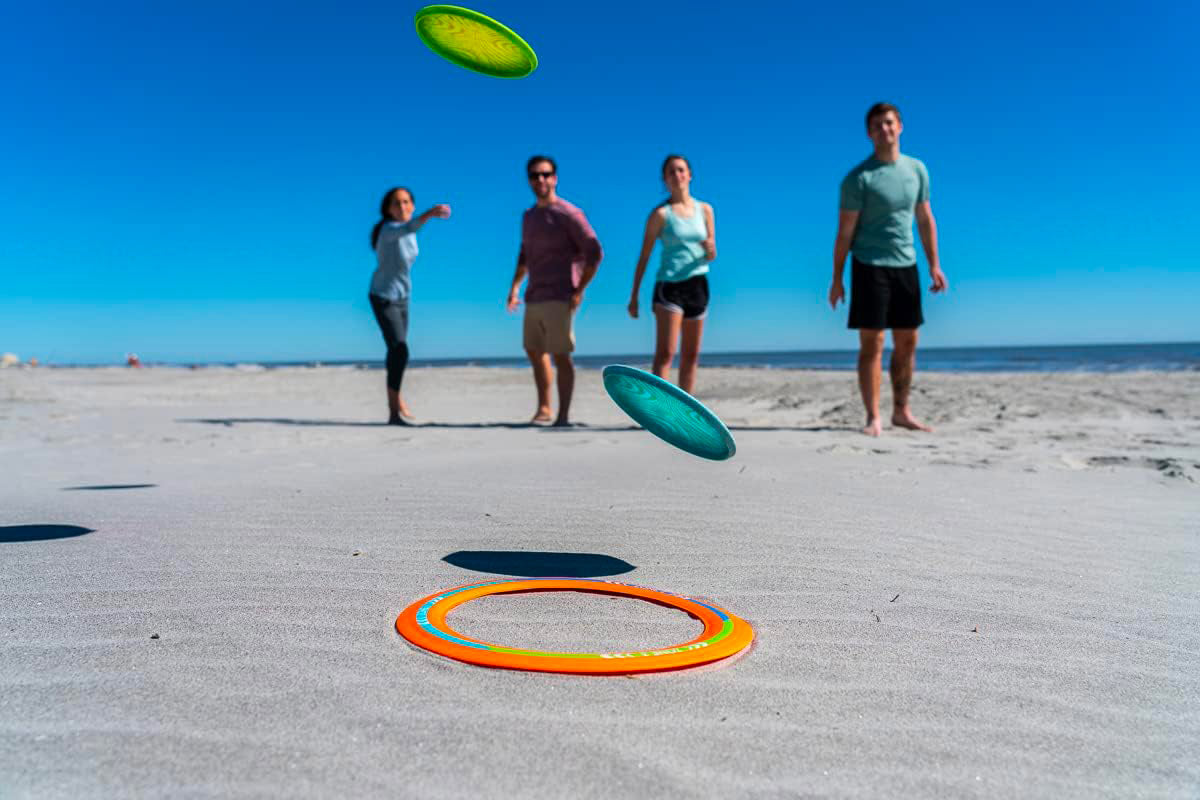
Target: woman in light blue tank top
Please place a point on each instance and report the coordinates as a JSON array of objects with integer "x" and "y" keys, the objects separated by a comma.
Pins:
[{"x": 687, "y": 230}]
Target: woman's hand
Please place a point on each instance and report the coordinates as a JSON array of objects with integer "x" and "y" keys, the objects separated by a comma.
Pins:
[
  {"x": 633, "y": 307},
  {"x": 710, "y": 249}
]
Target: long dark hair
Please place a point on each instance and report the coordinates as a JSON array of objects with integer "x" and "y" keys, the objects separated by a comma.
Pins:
[
  {"x": 662, "y": 172},
  {"x": 384, "y": 217}
]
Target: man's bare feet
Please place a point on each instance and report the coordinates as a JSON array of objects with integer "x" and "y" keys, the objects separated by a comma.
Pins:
[
  {"x": 561, "y": 423},
  {"x": 873, "y": 427},
  {"x": 903, "y": 418}
]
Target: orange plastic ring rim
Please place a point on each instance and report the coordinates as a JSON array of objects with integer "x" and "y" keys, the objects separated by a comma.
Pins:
[{"x": 424, "y": 624}]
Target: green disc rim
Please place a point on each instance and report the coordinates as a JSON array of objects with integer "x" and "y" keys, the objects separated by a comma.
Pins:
[
  {"x": 670, "y": 413},
  {"x": 464, "y": 59}
]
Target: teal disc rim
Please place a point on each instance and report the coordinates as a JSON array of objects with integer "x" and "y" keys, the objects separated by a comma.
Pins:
[
  {"x": 668, "y": 412},
  {"x": 456, "y": 56}
]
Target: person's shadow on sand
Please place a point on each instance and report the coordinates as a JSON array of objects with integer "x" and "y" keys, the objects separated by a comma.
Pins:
[
  {"x": 538, "y": 564},
  {"x": 575, "y": 427},
  {"x": 40, "y": 533},
  {"x": 230, "y": 422}
]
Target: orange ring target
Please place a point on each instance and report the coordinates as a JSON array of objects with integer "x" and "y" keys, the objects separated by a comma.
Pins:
[{"x": 424, "y": 624}]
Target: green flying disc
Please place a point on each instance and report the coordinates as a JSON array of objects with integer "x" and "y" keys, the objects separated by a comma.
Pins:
[
  {"x": 474, "y": 41},
  {"x": 668, "y": 412}
]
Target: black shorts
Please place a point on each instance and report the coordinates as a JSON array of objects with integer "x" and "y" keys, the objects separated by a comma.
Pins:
[
  {"x": 689, "y": 297},
  {"x": 884, "y": 297}
]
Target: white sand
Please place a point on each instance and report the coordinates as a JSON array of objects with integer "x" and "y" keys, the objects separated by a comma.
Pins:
[{"x": 1043, "y": 544}]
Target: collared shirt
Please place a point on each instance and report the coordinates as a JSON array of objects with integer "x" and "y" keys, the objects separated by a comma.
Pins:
[{"x": 557, "y": 242}]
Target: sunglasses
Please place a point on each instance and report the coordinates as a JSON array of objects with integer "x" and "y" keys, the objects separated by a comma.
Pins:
[{"x": 535, "y": 175}]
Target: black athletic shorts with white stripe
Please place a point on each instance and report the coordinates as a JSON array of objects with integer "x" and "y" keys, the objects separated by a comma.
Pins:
[
  {"x": 884, "y": 297},
  {"x": 689, "y": 297}
]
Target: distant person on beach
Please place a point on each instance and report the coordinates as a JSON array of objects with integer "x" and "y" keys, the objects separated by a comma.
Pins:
[
  {"x": 687, "y": 231},
  {"x": 878, "y": 200},
  {"x": 394, "y": 240},
  {"x": 560, "y": 254}
]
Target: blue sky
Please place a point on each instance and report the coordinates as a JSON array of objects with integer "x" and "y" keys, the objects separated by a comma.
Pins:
[{"x": 196, "y": 182}]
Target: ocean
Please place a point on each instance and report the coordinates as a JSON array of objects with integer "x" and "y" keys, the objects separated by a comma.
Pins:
[{"x": 1043, "y": 358}]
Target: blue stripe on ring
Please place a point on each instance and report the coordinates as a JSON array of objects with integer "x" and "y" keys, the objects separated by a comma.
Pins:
[
  {"x": 713, "y": 609},
  {"x": 423, "y": 616}
]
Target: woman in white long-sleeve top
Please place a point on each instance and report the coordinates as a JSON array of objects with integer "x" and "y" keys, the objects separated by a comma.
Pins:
[{"x": 394, "y": 240}]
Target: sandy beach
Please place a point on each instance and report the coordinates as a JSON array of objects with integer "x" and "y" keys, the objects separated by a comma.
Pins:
[{"x": 200, "y": 571}]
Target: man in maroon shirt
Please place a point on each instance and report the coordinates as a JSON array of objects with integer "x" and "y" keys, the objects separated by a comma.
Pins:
[{"x": 560, "y": 253}]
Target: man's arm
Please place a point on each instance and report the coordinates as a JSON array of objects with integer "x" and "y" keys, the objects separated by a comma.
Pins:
[
  {"x": 927, "y": 228},
  {"x": 585, "y": 240},
  {"x": 514, "y": 291},
  {"x": 585, "y": 277},
  {"x": 847, "y": 222}
]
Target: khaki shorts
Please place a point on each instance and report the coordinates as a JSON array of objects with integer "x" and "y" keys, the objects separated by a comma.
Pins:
[{"x": 548, "y": 327}]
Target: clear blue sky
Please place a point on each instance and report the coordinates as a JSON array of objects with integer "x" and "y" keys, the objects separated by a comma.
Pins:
[{"x": 196, "y": 181}]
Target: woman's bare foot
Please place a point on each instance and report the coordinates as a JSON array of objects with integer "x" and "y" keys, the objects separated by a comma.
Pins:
[
  {"x": 542, "y": 416},
  {"x": 903, "y": 418},
  {"x": 873, "y": 427}
]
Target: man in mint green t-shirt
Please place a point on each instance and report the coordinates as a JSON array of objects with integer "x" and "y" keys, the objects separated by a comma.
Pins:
[{"x": 879, "y": 198}]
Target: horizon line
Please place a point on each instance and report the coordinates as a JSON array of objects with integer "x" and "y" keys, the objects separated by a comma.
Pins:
[{"x": 343, "y": 361}]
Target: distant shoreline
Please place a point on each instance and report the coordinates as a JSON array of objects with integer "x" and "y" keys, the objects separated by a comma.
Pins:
[{"x": 1162, "y": 356}]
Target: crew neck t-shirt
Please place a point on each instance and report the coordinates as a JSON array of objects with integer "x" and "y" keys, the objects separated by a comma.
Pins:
[{"x": 885, "y": 196}]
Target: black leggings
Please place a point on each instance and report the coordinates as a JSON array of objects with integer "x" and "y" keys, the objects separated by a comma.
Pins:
[{"x": 392, "y": 316}]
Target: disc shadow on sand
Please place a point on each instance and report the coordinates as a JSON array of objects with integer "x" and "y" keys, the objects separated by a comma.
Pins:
[
  {"x": 539, "y": 564},
  {"x": 40, "y": 533},
  {"x": 106, "y": 487}
]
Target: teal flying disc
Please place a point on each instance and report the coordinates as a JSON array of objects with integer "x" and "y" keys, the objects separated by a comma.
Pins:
[
  {"x": 668, "y": 412},
  {"x": 475, "y": 41}
]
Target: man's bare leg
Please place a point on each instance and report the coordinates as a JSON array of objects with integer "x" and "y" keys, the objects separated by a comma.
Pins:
[
  {"x": 904, "y": 362},
  {"x": 566, "y": 386},
  {"x": 541, "y": 378},
  {"x": 870, "y": 369}
]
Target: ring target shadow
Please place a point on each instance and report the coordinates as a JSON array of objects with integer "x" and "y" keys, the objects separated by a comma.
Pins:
[
  {"x": 40, "y": 533},
  {"x": 526, "y": 564}
]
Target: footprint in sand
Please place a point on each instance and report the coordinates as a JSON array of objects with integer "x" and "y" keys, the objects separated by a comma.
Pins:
[
  {"x": 1166, "y": 466},
  {"x": 835, "y": 411},
  {"x": 841, "y": 449},
  {"x": 1107, "y": 461}
]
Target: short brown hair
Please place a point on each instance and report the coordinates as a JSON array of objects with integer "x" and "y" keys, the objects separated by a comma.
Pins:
[
  {"x": 878, "y": 110},
  {"x": 534, "y": 160}
]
